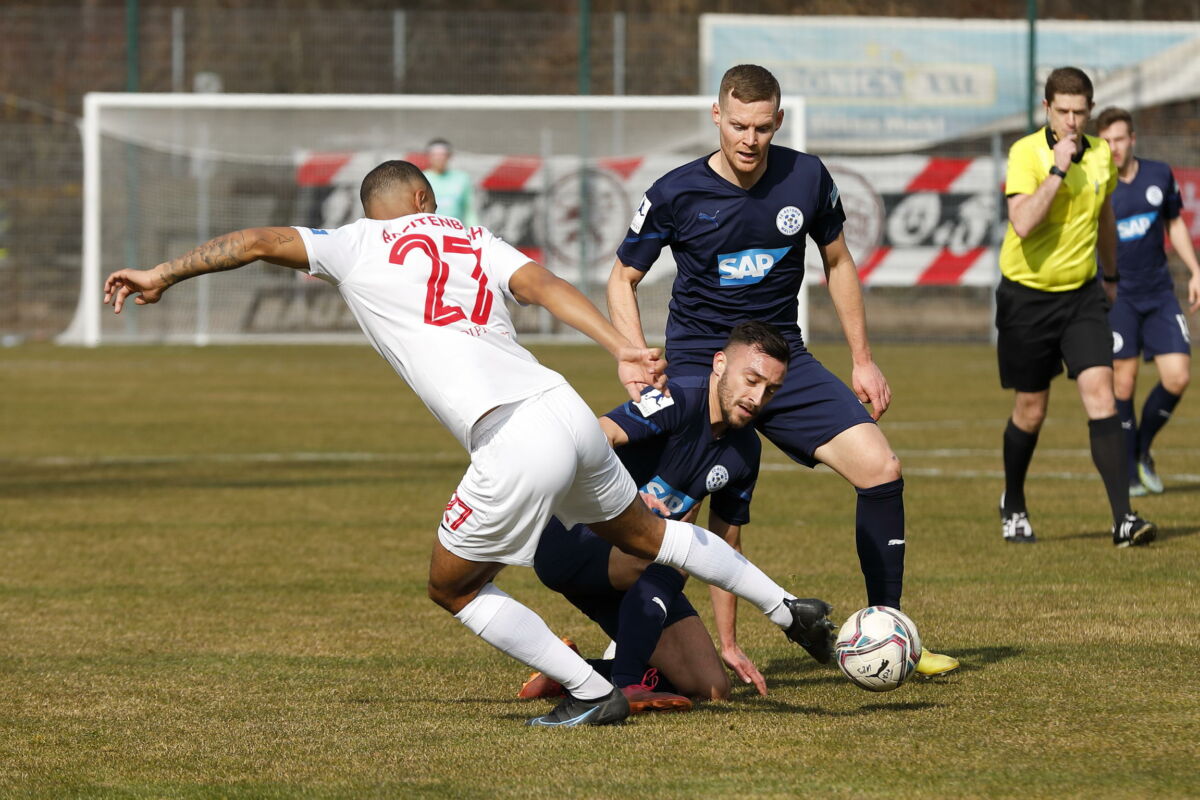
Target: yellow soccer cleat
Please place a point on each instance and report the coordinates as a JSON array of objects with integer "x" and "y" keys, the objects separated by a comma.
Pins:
[{"x": 933, "y": 664}]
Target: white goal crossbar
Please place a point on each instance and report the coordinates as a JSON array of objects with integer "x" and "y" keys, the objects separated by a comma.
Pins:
[{"x": 86, "y": 326}]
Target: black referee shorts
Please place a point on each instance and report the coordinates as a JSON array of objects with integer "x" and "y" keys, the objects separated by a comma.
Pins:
[{"x": 1041, "y": 330}]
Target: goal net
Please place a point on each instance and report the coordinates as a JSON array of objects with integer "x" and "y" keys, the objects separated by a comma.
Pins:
[{"x": 557, "y": 177}]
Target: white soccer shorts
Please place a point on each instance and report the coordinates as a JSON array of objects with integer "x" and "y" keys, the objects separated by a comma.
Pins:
[{"x": 536, "y": 458}]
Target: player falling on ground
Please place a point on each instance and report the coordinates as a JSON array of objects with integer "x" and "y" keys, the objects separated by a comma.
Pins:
[
  {"x": 736, "y": 222},
  {"x": 698, "y": 442},
  {"x": 1146, "y": 318},
  {"x": 1050, "y": 309},
  {"x": 429, "y": 294}
]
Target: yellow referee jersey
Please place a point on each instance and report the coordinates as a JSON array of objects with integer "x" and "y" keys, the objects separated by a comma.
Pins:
[{"x": 1060, "y": 253}]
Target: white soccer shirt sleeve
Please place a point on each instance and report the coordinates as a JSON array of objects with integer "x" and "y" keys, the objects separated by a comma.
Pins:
[
  {"x": 500, "y": 259},
  {"x": 332, "y": 255}
]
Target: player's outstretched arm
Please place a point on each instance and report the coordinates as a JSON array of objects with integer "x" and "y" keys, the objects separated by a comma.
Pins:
[
  {"x": 1181, "y": 240},
  {"x": 638, "y": 367},
  {"x": 623, "y": 303},
  {"x": 845, "y": 290},
  {"x": 725, "y": 614},
  {"x": 281, "y": 246}
]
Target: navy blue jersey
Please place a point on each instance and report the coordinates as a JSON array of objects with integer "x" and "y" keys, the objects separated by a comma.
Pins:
[
  {"x": 740, "y": 253},
  {"x": 672, "y": 453},
  {"x": 1142, "y": 208}
]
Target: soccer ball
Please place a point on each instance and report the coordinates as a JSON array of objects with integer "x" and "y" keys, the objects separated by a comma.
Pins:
[{"x": 878, "y": 648}]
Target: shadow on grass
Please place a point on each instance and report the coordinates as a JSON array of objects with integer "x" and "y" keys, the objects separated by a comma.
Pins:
[
  {"x": 1175, "y": 532},
  {"x": 797, "y": 672},
  {"x": 973, "y": 659},
  {"x": 763, "y": 705},
  {"x": 1183, "y": 488},
  {"x": 756, "y": 704}
]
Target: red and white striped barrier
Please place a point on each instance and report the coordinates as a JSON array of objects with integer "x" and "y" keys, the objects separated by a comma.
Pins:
[{"x": 911, "y": 220}]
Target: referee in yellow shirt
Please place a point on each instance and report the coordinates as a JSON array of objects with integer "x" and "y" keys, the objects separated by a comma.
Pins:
[{"x": 1050, "y": 308}]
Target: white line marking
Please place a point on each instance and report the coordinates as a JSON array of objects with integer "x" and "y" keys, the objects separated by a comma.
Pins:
[
  {"x": 457, "y": 458},
  {"x": 1180, "y": 477},
  {"x": 236, "y": 458}
]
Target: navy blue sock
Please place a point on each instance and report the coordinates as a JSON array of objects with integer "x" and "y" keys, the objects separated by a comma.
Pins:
[
  {"x": 1108, "y": 454},
  {"x": 1128, "y": 419},
  {"x": 602, "y": 666},
  {"x": 605, "y": 668},
  {"x": 1155, "y": 413},
  {"x": 879, "y": 534},
  {"x": 1018, "y": 452},
  {"x": 641, "y": 617}
]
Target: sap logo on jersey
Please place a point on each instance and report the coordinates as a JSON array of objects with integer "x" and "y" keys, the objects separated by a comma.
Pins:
[
  {"x": 676, "y": 501},
  {"x": 1132, "y": 228},
  {"x": 748, "y": 266}
]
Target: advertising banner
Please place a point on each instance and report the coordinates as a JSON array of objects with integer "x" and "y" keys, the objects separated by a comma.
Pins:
[{"x": 891, "y": 84}]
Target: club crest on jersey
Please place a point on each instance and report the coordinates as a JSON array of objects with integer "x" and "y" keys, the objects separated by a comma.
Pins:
[
  {"x": 676, "y": 501},
  {"x": 748, "y": 266},
  {"x": 639, "y": 216},
  {"x": 789, "y": 220},
  {"x": 718, "y": 476},
  {"x": 1154, "y": 196}
]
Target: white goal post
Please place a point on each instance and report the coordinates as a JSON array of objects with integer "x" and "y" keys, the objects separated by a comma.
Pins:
[{"x": 557, "y": 176}]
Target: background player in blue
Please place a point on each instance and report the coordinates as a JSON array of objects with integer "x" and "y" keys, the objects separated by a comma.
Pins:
[
  {"x": 1146, "y": 317},
  {"x": 696, "y": 442},
  {"x": 736, "y": 222}
]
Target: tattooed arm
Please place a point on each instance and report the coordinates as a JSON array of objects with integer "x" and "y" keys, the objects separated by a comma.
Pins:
[{"x": 281, "y": 246}]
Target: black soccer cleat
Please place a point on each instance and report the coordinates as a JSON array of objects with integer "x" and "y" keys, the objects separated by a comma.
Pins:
[
  {"x": 571, "y": 712},
  {"x": 811, "y": 628},
  {"x": 1133, "y": 531}
]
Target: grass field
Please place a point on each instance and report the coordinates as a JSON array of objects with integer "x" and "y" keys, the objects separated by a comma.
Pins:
[{"x": 212, "y": 576}]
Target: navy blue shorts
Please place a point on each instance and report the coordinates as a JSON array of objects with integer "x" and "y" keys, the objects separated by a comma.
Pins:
[
  {"x": 1151, "y": 324},
  {"x": 574, "y": 563},
  {"x": 811, "y": 408}
]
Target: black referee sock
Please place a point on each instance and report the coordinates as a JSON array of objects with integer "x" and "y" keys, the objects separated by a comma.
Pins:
[
  {"x": 1159, "y": 405},
  {"x": 640, "y": 618},
  {"x": 879, "y": 534},
  {"x": 1129, "y": 426},
  {"x": 1018, "y": 452},
  {"x": 1108, "y": 454}
]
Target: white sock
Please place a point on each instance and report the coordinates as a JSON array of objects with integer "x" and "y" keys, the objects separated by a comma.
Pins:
[
  {"x": 702, "y": 553},
  {"x": 517, "y": 631}
]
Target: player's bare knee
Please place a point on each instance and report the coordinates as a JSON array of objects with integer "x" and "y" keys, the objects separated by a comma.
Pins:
[
  {"x": 446, "y": 598},
  {"x": 721, "y": 688},
  {"x": 1176, "y": 384},
  {"x": 1029, "y": 417},
  {"x": 884, "y": 468},
  {"x": 890, "y": 468}
]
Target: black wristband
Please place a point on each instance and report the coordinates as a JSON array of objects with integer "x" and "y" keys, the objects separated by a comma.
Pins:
[
  {"x": 1111, "y": 278},
  {"x": 1054, "y": 170}
]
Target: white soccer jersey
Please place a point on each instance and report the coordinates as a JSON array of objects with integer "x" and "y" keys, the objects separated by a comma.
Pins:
[{"x": 429, "y": 294}]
